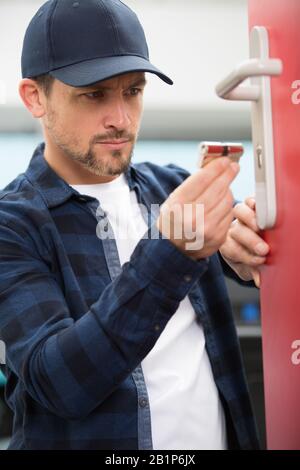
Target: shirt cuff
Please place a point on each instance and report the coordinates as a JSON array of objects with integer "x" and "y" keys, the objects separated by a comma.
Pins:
[{"x": 158, "y": 260}]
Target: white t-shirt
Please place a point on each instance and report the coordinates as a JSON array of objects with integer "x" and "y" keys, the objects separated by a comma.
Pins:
[{"x": 186, "y": 411}]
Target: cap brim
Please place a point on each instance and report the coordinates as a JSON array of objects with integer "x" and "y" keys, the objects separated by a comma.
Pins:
[{"x": 95, "y": 70}]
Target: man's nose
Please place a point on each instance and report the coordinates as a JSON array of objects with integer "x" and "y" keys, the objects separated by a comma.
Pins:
[{"x": 117, "y": 115}]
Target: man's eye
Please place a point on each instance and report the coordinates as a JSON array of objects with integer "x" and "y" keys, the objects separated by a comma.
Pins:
[
  {"x": 98, "y": 94},
  {"x": 93, "y": 95},
  {"x": 135, "y": 91}
]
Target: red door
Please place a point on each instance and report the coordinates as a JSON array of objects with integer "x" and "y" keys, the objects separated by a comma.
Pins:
[{"x": 280, "y": 289}]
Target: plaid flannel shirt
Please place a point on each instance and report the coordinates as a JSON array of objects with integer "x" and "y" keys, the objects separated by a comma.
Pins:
[{"x": 77, "y": 325}]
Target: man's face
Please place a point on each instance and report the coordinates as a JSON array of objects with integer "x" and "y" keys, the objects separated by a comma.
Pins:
[{"x": 84, "y": 123}]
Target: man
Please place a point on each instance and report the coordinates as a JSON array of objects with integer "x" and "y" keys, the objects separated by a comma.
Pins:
[{"x": 115, "y": 342}]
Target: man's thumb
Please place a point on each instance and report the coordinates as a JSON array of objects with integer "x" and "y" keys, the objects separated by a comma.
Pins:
[{"x": 256, "y": 277}]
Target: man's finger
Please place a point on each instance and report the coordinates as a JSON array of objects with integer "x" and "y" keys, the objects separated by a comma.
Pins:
[
  {"x": 250, "y": 202},
  {"x": 246, "y": 215},
  {"x": 198, "y": 182},
  {"x": 249, "y": 239},
  {"x": 256, "y": 277},
  {"x": 217, "y": 191},
  {"x": 238, "y": 253}
]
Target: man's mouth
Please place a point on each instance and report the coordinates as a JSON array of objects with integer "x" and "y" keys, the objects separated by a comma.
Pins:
[{"x": 114, "y": 144}]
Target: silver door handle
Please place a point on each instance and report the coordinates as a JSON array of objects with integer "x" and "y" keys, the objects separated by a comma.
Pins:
[
  {"x": 229, "y": 88},
  {"x": 259, "y": 68}
]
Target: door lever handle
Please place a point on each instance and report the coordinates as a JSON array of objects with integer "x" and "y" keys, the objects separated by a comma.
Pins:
[
  {"x": 229, "y": 88},
  {"x": 259, "y": 68}
]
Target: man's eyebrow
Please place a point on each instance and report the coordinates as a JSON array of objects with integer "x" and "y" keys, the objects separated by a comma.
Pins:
[{"x": 139, "y": 82}]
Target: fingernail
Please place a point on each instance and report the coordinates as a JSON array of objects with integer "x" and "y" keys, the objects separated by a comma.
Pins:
[{"x": 261, "y": 249}]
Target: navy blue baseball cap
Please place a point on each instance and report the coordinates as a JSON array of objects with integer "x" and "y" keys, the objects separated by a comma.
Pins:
[{"x": 84, "y": 42}]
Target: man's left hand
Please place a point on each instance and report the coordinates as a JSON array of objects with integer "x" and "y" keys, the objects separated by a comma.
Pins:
[{"x": 244, "y": 250}]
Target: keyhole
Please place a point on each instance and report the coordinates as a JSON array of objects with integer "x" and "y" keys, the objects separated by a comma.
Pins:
[{"x": 259, "y": 156}]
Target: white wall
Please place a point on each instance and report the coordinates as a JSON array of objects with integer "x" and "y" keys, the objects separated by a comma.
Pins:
[{"x": 195, "y": 42}]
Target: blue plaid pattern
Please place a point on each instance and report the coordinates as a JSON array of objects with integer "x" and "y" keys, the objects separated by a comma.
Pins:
[{"x": 77, "y": 325}]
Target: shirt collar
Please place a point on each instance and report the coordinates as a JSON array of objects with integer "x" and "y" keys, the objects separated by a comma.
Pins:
[{"x": 52, "y": 187}]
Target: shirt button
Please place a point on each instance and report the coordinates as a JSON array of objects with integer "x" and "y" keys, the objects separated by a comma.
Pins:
[
  {"x": 187, "y": 278},
  {"x": 157, "y": 327},
  {"x": 143, "y": 402}
]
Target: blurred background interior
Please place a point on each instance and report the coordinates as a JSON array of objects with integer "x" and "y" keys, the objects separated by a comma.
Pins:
[{"x": 196, "y": 43}]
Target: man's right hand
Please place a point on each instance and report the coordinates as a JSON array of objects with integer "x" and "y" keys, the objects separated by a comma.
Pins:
[{"x": 209, "y": 187}]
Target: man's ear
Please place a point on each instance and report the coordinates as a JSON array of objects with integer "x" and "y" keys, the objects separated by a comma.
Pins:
[{"x": 32, "y": 97}]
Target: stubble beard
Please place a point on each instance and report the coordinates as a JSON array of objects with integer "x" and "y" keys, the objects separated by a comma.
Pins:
[{"x": 114, "y": 162}]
